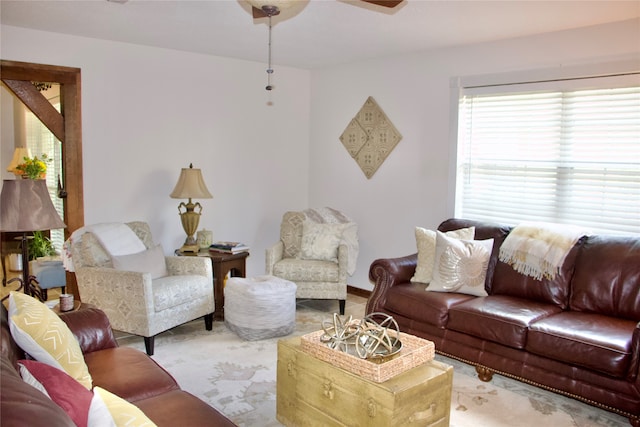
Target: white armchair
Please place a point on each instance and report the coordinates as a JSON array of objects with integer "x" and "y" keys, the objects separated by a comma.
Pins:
[
  {"x": 317, "y": 250},
  {"x": 172, "y": 291}
]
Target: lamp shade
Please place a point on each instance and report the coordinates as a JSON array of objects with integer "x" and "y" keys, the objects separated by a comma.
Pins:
[
  {"x": 25, "y": 205},
  {"x": 18, "y": 157},
  {"x": 190, "y": 185}
]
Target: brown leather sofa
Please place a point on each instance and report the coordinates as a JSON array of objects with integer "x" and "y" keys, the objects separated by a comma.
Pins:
[
  {"x": 578, "y": 334},
  {"x": 124, "y": 371}
]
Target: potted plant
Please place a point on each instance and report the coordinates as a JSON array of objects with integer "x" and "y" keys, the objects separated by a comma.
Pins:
[
  {"x": 40, "y": 246},
  {"x": 33, "y": 168}
]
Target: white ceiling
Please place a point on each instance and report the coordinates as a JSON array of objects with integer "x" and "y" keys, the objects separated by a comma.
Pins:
[{"x": 313, "y": 33}]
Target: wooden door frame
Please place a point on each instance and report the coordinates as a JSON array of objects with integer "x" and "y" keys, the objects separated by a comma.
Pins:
[{"x": 67, "y": 126}]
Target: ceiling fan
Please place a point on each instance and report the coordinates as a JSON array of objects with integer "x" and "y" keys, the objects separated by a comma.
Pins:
[
  {"x": 267, "y": 8},
  {"x": 271, "y": 8}
]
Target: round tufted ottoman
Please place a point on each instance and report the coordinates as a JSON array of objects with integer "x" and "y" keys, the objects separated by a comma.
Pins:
[{"x": 260, "y": 307}]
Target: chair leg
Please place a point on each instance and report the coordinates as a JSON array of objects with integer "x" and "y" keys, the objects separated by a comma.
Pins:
[
  {"x": 208, "y": 321},
  {"x": 148, "y": 344},
  {"x": 342, "y": 303}
]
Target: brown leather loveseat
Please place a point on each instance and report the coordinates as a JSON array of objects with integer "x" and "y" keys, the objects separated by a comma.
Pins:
[
  {"x": 577, "y": 334},
  {"x": 124, "y": 371}
]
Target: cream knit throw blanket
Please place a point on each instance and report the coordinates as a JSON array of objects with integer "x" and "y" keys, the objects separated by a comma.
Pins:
[
  {"x": 116, "y": 238},
  {"x": 539, "y": 249}
]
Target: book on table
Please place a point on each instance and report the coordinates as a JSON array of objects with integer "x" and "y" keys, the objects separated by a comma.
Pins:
[{"x": 229, "y": 247}]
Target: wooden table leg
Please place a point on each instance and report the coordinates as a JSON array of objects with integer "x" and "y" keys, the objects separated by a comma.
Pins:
[{"x": 222, "y": 265}]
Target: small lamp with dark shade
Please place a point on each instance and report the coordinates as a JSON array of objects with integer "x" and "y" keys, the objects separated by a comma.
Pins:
[{"x": 25, "y": 206}]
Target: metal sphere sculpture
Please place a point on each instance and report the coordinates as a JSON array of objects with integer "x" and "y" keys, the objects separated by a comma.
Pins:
[{"x": 376, "y": 336}]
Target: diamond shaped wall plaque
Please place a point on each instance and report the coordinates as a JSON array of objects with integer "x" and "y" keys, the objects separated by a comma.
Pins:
[{"x": 370, "y": 137}]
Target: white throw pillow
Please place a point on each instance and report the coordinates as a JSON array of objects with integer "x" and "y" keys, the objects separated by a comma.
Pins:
[
  {"x": 320, "y": 241},
  {"x": 426, "y": 243},
  {"x": 149, "y": 261},
  {"x": 460, "y": 265}
]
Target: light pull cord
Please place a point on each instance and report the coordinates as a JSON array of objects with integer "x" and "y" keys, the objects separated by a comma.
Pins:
[{"x": 269, "y": 70}]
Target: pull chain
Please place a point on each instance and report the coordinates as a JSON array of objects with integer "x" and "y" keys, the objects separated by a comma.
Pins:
[{"x": 269, "y": 70}]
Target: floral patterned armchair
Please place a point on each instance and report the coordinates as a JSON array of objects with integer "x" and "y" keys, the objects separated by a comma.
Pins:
[
  {"x": 144, "y": 293},
  {"x": 317, "y": 250}
]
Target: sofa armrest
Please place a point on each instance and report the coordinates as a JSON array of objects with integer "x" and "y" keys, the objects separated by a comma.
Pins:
[
  {"x": 343, "y": 262},
  {"x": 91, "y": 328},
  {"x": 109, "y": 289},
  {"x": 388, "y": 272},
  {"x": 273, "y": 254},
  {"x": 187, "y": 265}
]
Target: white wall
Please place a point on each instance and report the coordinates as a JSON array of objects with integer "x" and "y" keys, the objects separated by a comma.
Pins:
[
  {"x": 148, "y": 112},
  {"x": 414, "y": 186}
]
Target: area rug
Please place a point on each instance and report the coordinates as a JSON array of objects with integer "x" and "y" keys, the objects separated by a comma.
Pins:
[{"x": 238, "y": 378}]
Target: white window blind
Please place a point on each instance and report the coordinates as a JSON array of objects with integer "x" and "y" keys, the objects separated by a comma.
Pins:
[
  {"x": 552, "y": 152},
  {"x": 41, "y": 141}
]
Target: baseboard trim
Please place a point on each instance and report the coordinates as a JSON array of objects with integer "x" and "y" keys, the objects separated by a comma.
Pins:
[{"x": 358, "y": 291}]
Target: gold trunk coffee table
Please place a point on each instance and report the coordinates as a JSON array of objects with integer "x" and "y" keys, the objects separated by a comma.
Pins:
[{"x": 312, "y": 392}]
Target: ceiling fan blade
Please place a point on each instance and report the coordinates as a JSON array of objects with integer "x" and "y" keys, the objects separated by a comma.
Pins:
[
  {"x": 257, "y": 13},
  {"x": 384, "y": 3}
]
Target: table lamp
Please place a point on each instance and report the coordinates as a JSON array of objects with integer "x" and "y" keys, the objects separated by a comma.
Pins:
[
  {"x": 18, "y": 157},
  {"x": 25, "y": 206},
  {"x": 190, "y": 186}
]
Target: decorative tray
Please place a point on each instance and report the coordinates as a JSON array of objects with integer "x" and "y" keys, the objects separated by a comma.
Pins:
[{"x": 415, "y": 351}]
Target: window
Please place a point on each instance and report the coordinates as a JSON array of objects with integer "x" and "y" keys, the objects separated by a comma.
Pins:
[
  {"x": 558, "y": 151},
  {"x": 41, "y": 141}
]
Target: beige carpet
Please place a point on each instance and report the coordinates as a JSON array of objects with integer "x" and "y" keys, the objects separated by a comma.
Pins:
[{"x": 239, "y": 378}]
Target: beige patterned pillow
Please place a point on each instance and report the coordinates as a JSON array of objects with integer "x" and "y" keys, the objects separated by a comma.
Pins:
[
  {"x": 143, "y": 231},
  {"x": 320, "y": 241},
  {"x": 93, "y": 254},
  {"x": 460, "y": 265},
  {"x": 426, "y": 243},
  {"x": 291, "y": 233}
]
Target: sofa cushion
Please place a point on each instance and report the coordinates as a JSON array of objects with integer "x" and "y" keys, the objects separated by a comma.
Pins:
[
  {"x": 426, "y": 246},
  {"x": 24, "y": 405},
  {"x": 193, "y": 411},
  {"x": 607, "y": 277},
  {"x": 413, "y": 302},
  {"x": 460, "y": 265},
  {"x": 498, "y": 318},
  {"x": 129, "y": 373},
  {"x": 45, "y": 337},
  {"x": 8, "y": 346},
  {"x": 594, "y": 341},
  {"x": 507, "y": 281},
  {"x": 173, "y": 291},
  {"x": 297, "y": 270}
]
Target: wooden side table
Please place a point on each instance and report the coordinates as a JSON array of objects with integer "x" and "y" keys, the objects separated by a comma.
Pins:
[{"x": 222, "y": 264}]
